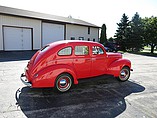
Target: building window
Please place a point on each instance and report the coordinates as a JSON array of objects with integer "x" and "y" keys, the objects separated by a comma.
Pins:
[
  {"x": 72, "y": 38},
  {"x": 81, "y": 38},
  {"x": 88, "y": 30},
  {"x": 81, "y": 50},
  {"x": 88, "y": 39},
  {"x": 65, "y": 51}
]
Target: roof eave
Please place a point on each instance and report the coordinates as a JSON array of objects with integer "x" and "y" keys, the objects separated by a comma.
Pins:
[{"x": 43, "y": 17}]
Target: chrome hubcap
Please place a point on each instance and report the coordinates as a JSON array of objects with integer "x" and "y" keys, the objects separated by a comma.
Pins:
[
  {"x": 63, "y": 83},
  {"x": 124, "y": 74}
]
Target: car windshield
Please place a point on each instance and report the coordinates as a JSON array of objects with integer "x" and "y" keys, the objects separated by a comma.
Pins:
[{"x": 105, "y": 47}]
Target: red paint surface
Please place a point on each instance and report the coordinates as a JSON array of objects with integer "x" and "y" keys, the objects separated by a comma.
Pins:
[{"x": 46, "y": 65}]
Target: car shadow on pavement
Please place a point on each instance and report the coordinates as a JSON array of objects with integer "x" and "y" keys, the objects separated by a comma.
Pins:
[{"x": 102, "y": 98}]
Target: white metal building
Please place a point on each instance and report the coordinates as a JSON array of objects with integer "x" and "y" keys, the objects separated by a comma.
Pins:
[{"x": 27, "y": 30}]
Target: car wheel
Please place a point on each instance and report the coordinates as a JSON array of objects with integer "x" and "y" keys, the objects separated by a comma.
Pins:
[
  {"x": 63, "y": 82},
  {"x": 124, "y": 74}
]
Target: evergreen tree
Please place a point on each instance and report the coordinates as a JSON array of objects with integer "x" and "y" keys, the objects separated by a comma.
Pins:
[
  {"x": 136, "y": 39},
  {"x": 122, "y": 32},
  {"x": 103, "y": 36},
  {"x": 111, "y": 39},
  {"x": 150, "y": 32}
]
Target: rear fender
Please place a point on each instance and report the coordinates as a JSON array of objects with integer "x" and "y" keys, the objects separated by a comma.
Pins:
[
  {"x": 47, "y": 76},
  {"x": 115, "y": 67}
]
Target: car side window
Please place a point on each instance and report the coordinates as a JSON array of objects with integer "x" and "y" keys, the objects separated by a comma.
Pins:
[
  {"x": 81, "y": 50},
  {"x": 97, "y": 50},
  {"x": 65, "y": 51}
]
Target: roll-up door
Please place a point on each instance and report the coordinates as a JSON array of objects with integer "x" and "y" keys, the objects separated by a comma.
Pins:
[
  {"x": 17, "y": 38},
  {"x": 51, "y": 33}
]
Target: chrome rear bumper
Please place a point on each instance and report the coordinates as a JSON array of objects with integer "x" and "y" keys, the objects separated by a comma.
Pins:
[{"x": 25, "y": 80}]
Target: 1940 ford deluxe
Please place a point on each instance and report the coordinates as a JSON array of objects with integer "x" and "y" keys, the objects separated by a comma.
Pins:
[{"x": 63, "y": 63}]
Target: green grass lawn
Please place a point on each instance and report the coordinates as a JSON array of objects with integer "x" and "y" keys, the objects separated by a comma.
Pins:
[
  {"x": 145, "y": 52},
  {"x": 148, "y": 49}
]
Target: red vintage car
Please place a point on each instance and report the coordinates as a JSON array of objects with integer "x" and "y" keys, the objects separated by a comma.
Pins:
[{"x": 63, "y": 63}]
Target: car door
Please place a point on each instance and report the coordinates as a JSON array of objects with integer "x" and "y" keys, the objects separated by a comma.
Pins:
[
  {"x": 99, "y": 61},
  {"x": 82, "y": 61}
]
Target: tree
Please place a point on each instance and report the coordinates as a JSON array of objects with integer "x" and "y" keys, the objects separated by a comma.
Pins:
[
  {"x": 136, "y": 33},
  {"x": 103, "y": 36},
  {"x": 122, "y": 32},
  {"x": 150, "y": 32},
  {"x": 111, "y": 39}
]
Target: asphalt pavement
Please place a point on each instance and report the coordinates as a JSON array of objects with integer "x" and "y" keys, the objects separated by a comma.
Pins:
[{"x": 103, "y": 97}]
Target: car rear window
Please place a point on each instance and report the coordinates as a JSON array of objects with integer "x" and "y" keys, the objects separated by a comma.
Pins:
[{"x": 65, "y": 51}]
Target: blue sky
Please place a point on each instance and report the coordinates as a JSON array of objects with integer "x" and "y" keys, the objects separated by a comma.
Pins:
[{"x": 93, "y": 11}]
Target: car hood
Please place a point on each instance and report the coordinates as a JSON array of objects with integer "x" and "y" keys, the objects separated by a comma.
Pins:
[{"x": 112, "y": 55}]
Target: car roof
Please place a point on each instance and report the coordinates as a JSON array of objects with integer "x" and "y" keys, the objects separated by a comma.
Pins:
[{"x": 72, "y": 41}]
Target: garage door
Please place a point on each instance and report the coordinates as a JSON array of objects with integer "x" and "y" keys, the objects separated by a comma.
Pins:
[
  {"x": 17, "y": 38},
  {"x": 51, "y": 33}
]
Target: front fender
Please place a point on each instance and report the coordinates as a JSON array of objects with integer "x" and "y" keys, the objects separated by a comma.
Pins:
[
  {"x": 115, "y": 67},
  {"x": 47, "y": 76}
]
